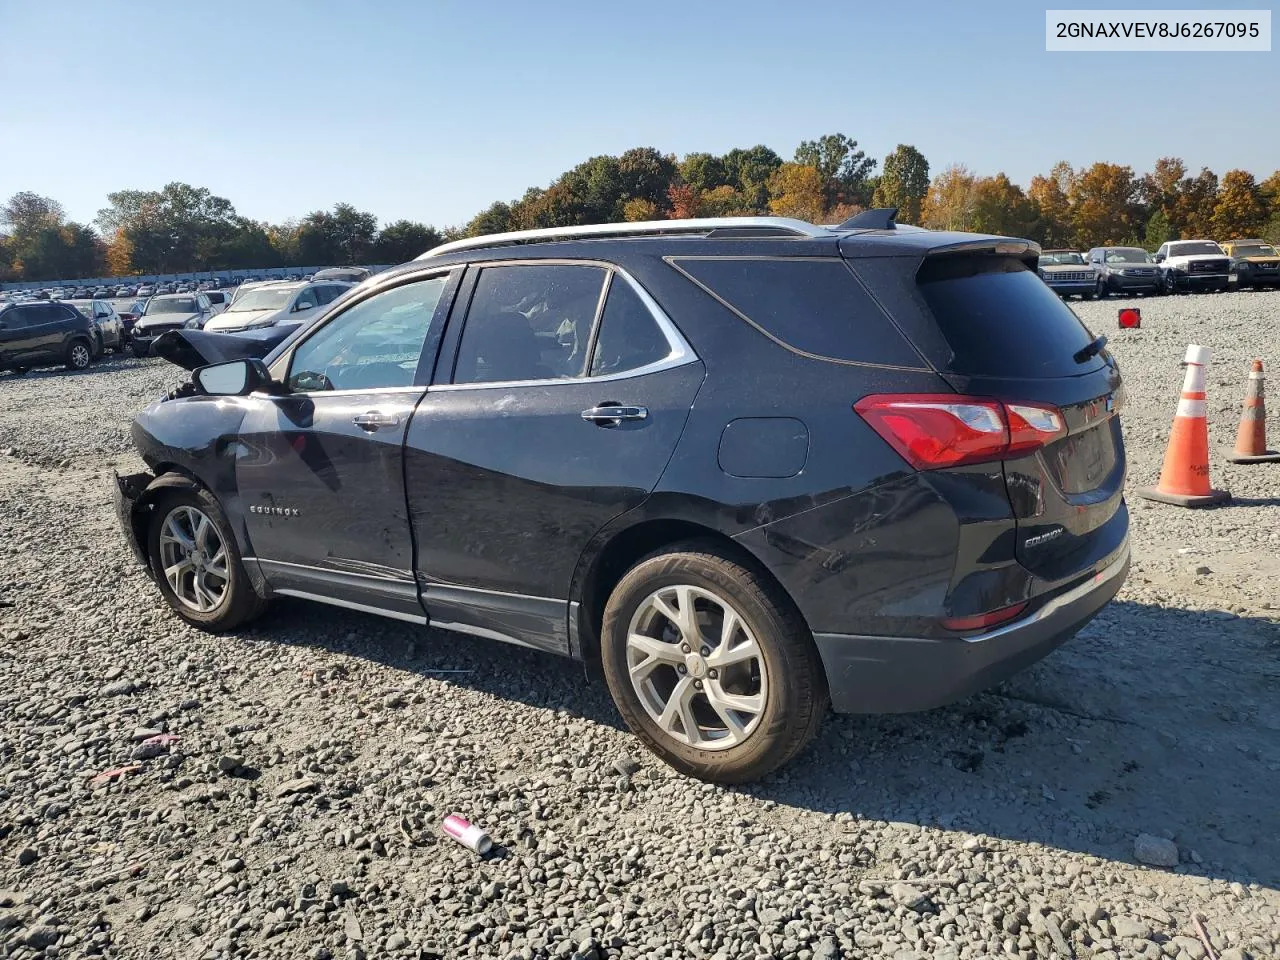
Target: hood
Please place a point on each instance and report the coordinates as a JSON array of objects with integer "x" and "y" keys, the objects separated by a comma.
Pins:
[
  {"x": 164, "y": 319},
  {"x": 236, "y": 319},
  {"x": 1188, "y": 257},
  {"x": 1260, "y": 258},
  {"x": 196, "y": 348}
]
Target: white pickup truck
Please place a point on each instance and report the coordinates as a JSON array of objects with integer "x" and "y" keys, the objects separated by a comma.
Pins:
[{"x": 1193, "y": 265}]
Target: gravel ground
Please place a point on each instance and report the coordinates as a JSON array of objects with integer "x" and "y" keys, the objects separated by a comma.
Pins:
[{"x": 1090, "y": 807}]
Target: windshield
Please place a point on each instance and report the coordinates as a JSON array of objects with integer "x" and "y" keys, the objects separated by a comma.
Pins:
[
  {"x": 1193, "y": 248},
  {"x": 262, "y": 299},
  {"x": 1061, "y": 257},
  {"x": 1129, "y": 255},
  {"x": 1254, "y": 250},
  {"x": 175, "y": 305}
]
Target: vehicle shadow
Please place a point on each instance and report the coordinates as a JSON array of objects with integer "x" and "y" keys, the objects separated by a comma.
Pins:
[{"x": 1153, "y": 720}]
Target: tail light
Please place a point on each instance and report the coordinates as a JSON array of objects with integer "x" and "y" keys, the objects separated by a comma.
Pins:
[
  {"x": 984, "y": 621},
  {"x": 932, "y": 431}
]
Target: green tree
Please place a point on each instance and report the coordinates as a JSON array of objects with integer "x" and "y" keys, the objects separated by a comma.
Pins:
[
  {"x": 748, "y": 171},
  {"x": 843, "y": 167},
  {"x": 1159, "y": 192},
  {"x": 644, "y": 174},
  {"x": 405, "y": 240},
  {"x": 1194, "y": 206},
  {"x": 26, "y": 212},
  {"x": 702, "y": 171},
  {"x": 1158, "y": 230},
  {"x": 175, "y": 228},
  {"x": 343, "y": 236},
  {"x": 904, "y": 183}
]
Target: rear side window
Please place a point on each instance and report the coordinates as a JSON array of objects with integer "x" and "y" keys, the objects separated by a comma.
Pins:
[
  {"x": 629, "y": 337},
  {"x": 1001, "y": 320},
  {"x": 813, "y": 306},
  {"x": 529, "y": 323}
]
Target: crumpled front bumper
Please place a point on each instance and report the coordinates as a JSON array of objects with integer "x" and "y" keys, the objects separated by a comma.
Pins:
[{"x": 129, "y": 490}]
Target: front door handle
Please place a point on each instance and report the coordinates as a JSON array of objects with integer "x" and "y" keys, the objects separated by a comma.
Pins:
[
  {"x": 612, "y": 414},
  {"x": 373, "y": 420}
]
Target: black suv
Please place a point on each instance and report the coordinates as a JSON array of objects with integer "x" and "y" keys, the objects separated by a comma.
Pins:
[
  {"x": 746, "y": 466},
  {"x": 1124, "y": 270},
  {"x": 35, "y": 334}
]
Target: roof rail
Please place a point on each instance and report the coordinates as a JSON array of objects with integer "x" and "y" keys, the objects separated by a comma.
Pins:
[{"x": 740, "y": 226}]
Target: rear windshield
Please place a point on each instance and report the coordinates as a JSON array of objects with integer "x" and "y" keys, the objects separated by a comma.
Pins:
[
  {"x": 814, "y": 306},
  {"x": 1001, "y": 320}
]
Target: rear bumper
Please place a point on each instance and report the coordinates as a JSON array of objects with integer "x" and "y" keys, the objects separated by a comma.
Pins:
[{"x": 899, "y": 674}]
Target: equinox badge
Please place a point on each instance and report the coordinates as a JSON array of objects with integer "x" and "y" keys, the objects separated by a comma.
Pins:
[
  {"x": 1042, "y": 538},
  {"x": 276, "y": 511}
]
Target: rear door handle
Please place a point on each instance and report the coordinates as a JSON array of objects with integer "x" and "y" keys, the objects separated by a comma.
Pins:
[
  {"x": 612, "y": 414},
  {"x": 373, "y": 420}
]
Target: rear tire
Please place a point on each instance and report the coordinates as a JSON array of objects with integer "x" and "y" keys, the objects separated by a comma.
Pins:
[
  {"x": 79, "y": 355},
  {"x": 196, "y": 563},
  {"x": 740, "y": 702}
]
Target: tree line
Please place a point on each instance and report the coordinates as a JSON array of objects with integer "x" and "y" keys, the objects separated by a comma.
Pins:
[{"x": 181, "y": 227}]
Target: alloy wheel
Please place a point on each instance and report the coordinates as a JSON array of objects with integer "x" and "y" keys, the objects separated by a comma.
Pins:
[
  {"x": 80, "y": 356},
  {"x": 697, "y": 667},
  {"x": 194, "y": 559}
]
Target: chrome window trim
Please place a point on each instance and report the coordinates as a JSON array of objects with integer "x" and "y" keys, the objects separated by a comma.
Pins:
[
  {"x": 680, "y": 353},
  {"x": 260, "y": 395}
]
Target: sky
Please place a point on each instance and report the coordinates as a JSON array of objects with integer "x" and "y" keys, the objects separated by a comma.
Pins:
[{"x": 433, "y": 109}]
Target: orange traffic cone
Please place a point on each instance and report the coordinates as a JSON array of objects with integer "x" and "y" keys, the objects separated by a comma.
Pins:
[
  {"x": 1251, "y": 441},
  {"x": 1184, "y": 481}
]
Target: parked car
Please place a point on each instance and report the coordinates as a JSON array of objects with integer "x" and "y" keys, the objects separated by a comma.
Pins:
[
  {"x": 125, "y": 291},
  {"x": 1066, "y": 273},
  {"x": 1124, "y": 270},
  {"x": 168, "y": 312},
  {"x": 941, "y": 505},
  {"x": 108, "y": 327},
  {"x": 38, "y": 333},
  {"x": 275, "y": 304},
  {"x": 129, "y": 316},
  {"x": 146, "y": 290},
  {"x": 81, "y": 293},
  {"x": 1193, "y": 265},
  {"x": 349, "y": 274},
  {"x": 218, "y": 299},
  {"x": 1254, "y": 263}
]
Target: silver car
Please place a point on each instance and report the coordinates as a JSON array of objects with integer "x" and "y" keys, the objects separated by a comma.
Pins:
[{"x": 275, "y": 304}]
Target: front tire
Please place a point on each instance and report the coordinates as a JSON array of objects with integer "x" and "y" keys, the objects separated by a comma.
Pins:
[
  {"x": 79, "y": 355},
  {"x": 196, "y": 563},
  {"x": 711, "y": 665},
  {"x": 1101, "y": 292}
]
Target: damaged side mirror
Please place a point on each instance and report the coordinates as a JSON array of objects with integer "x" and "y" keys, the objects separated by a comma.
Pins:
[{"x": 234, "y": 378}]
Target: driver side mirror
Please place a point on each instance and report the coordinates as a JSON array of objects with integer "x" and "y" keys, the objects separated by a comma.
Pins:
[
  {"x": 1159, "y": 258},
  {"x": 234, "y": 378},
  {"x": 303, "y": 305}
]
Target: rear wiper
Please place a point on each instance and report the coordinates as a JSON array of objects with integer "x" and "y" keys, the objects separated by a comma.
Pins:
[{"x": 1092, "y": 350}]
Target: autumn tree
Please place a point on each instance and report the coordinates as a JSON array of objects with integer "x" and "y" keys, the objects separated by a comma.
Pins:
[
  {"x": 639, "y": 209},
  {"x": 1049, "y": 194},
  {"x": 120, "y": 254},
  {"x": 797, "y": 190},
  {"x": 1241, "y": 210},
  {"x": 1104, "y": 205},
  {"x": 1001, "y": 207},
  {"x": 949, "y": 203},
  {"x": 725, "y": 201},
  {"x": 683, "y": 199},
  {"x": 1195, "y": 204},
  {"x": 748, "y": 171},
  {"x": 904, "y": 183}
]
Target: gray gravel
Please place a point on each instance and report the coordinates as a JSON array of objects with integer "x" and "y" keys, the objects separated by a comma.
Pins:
[{"x": 294, "y": 810}]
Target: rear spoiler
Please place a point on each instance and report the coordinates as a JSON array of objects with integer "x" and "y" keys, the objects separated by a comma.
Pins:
[{"x": 1028, "y": 251}]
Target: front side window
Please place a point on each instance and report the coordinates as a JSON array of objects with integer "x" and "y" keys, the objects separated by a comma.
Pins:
[
  {"x": 375, "y": 344},
  {"x": 629, "y": 337},
  {"x": 529, "y": 323}
]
